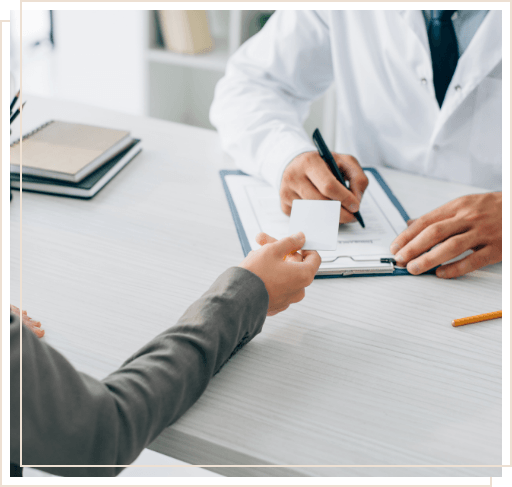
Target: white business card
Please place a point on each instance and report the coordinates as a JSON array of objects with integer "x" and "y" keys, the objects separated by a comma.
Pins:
[{"x": 318, "y": 220}]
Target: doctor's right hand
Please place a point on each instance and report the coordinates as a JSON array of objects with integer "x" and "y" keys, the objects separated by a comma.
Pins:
[
  {"x": 308, "y": 177},
  {"x": 284, "y": 271}
]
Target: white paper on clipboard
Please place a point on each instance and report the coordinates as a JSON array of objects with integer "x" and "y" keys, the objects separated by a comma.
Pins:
[{"x": 359, "y": 250}]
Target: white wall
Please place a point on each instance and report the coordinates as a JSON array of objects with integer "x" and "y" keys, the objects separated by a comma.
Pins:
[{"x": 98, "y": 59}]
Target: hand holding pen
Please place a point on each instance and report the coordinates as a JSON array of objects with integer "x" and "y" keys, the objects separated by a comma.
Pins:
[
  {"x": 326, "y": 155},
  {"x": 308, "y": 177}
]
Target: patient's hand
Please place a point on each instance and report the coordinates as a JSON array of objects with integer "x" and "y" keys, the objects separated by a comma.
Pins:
[
  {"x": 263, "y": 239},
  {"x": 31, "y": 324},
  {"x": 284, "y": 268}
]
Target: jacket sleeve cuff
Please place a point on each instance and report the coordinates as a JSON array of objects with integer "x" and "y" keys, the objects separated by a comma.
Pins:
[{"x": 282, "y": 149}]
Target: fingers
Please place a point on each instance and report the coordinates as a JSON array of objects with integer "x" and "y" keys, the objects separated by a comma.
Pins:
[
  {"x": 308, "y": 177},
  {"x": 34, "y": 328},
  {"x": 323, "y": 179},
  {"x": 444, "y": 252},
  {"x": 311, "y": 263},
  {"x": 287, "y": 197},
  {"x": 472, "y": 262},
  {"x": 294, "y": 257},
  {"x": 262, "y": 239},
  {"x": 353, "y": 173},
  {"x": 417, "y": 226},
  {"x": 428, "y": 238},
  {"x": 289, "y": 245},
  {"x": 310, "y": 192},
  {"x": 31, "y": 324}
]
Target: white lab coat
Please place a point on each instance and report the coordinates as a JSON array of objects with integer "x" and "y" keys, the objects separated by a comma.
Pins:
[{"x": 387, "y": 113}]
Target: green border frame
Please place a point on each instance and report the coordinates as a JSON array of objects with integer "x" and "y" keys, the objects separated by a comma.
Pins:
[{"x": 503, "y": 481}]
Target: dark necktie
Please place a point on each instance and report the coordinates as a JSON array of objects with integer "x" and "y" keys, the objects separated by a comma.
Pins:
[{"x": 443, "y": 49}]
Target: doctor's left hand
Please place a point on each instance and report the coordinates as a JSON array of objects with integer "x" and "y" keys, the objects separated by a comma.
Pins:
[{"x": 472, "y": 222}]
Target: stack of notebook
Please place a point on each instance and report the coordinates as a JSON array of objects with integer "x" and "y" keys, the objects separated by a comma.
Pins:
[{"x": 71, "y": 159}]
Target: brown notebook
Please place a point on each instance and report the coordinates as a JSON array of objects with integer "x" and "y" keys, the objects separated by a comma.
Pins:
[{"x": 67, "y": 151}]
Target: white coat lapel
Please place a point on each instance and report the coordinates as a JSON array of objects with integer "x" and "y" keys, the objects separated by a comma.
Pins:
[
  {"x": 482, "y": 54},
  {"x": 416, "y": 22},
  {"x": 477, "y": 61}
]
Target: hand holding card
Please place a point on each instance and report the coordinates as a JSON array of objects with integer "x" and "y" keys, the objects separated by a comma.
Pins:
[{"x": 318, "y": 220}]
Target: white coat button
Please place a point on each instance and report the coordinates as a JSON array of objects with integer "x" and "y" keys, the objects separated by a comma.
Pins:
[
  {"x": 423, "y": 81},
  {"x": 458, "y": 88}
]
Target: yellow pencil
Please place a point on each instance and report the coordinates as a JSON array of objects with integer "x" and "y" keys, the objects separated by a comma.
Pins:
[{"x": 476, "y": 318}]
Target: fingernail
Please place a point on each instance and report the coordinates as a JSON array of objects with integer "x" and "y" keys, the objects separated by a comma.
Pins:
[
  {"x": 415, "y": 269},
  {"x": 394, "y": 248},
  {"x": 441, "y": 273},
  {"x": 298, "y": 236},
  {"x": 399, "y": 258},
  {"x": 353, "y": 207}
]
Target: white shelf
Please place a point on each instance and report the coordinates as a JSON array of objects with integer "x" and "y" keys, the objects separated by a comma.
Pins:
[
  {"x": 180, "y": 87},
  {"x": 215, "y": 60}
]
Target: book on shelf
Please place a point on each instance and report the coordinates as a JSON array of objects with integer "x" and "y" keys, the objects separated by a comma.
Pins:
[
  {"x": 88, "y": 186},
  {"x": 67, "y": 151},
  {"x": 185, "y": 31}
]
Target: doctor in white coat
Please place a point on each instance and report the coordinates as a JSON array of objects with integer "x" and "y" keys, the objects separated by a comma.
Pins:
[{"x": 419, "y": 91}]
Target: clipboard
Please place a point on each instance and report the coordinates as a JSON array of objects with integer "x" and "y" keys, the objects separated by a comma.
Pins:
[{"x": 342, "y": 266}]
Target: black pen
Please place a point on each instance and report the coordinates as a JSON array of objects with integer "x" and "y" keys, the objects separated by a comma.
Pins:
[
  {"x": 16, "y": 113},
  {"x": 326, "y": 155}
]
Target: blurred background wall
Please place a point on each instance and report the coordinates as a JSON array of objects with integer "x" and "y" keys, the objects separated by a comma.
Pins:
[{"x": 120, "y": 60}]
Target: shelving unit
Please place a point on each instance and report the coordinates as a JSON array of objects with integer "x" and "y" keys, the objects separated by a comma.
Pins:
[
  {"x": 215, "y": 60},
  {"x": 181, "y": 86}
]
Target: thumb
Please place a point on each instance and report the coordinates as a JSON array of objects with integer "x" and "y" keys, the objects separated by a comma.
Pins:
[{"x": 290, "y": 244}]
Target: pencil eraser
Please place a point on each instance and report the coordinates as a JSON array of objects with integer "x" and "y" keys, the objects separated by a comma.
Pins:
[{"x": 318, "y": 220}]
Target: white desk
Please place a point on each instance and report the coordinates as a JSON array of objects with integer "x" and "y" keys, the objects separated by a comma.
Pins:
[{"x": 364, "y": 371}]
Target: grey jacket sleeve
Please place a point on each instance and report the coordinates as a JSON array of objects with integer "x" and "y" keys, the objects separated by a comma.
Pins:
[{"x": 69, "y": 418}]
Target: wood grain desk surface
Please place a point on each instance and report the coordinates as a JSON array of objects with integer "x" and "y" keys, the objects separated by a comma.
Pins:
[{"x": 364, "y": 371}]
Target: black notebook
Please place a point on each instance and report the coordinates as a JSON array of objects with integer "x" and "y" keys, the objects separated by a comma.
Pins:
[{"x": 86, "y": 188}]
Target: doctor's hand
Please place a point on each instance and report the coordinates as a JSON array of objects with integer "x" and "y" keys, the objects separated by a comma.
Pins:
[
  {"x": 471, "y": 222},
  {"x": 284, "y": 271},
  {"x": 308, "y": 177}
]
